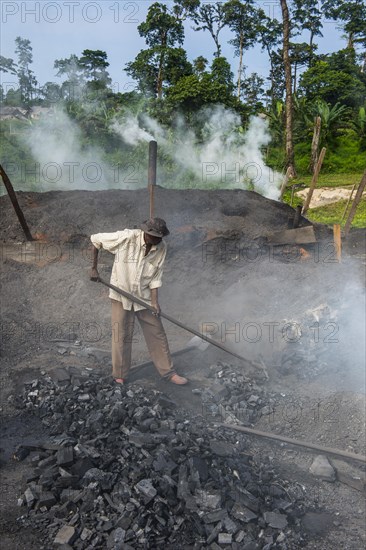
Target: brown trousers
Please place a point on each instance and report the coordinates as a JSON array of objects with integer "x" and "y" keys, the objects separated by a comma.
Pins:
[{"x": 122, "y": 338}]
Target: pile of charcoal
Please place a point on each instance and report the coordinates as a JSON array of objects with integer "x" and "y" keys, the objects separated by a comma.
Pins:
[
  {"x": 124, "y": 468},
  {"x": 241, "y": 400}
]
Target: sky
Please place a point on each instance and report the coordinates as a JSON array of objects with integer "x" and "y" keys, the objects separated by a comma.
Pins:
[{"x": 58, "y": 29}]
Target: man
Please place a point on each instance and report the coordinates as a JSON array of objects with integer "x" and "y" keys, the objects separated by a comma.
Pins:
[{"x": 138, "y": 265}]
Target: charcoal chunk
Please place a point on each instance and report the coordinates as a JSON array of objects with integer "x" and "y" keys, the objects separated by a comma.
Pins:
[
  {"x": 243, "y": 513},
  {"x": 66, "y": 535},
  {"x": 65, "y": 456},
  {"x": 146, "y": 489}
]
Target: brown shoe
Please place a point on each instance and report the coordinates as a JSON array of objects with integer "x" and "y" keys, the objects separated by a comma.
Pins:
[{"x": 179, "y": 380}]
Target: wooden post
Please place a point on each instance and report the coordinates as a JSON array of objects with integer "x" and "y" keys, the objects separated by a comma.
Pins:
[
  {"x": 337, "y": 241},
  {"x": 349, "y": 200},
  {"x": 153, "y": 147},
  {"x": 355, "y": 203},
  {"x": 14, "y": 200},
  {"x": 314, "y": 180},
  {"x": 284, "y": 183},
  {"x": 315, "y": 143}
]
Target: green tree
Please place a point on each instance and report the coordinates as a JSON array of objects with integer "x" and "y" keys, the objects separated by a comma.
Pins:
[
  {"x": 51, "y": 92},
  {"x": 26, "y": 78},
  {"x": 94, "y": 65},
  {"x": 334, "y": 118},
  {"x": 72, "y": 87},
  {"x": 162, "y": 31},
  {"x": 185, "y": 8},
  {"x": 300, "y": 54},
  {"x": 335, "y": 78},
  {"x": 241, "y": 18},
  {"x": 308, "y": 16},
  {"x": 7, "y": 65},
  {"x": 252, "y": 90},
  {"x": 152, "y": 76},
  {"x": 199, "y": 65},
  {"x": 192, "y": 92},
  {"x": 211, "y": 18},
  {"x": 359, "y": 125},
  {"x": 352, "y": 15},
  {"x": 221, "y": 73},
  {"x": 276, "y": 116},
  {"x": 270, "y": 32}
]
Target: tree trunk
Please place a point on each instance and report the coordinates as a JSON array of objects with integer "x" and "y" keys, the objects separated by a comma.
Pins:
[
  {"x": 315, "y": 143},
  {"x": 350, "y": 42},
  {"x": 290, "y": 160},
  {"x": 355, "y": 203},
  {"x": 218, "y": 47},
  {"x": 271, "y": 74},
  {"x": 311, "y": 55},
  {"x": 159, "y": 83},
  {"x": 240, "y": 63}
]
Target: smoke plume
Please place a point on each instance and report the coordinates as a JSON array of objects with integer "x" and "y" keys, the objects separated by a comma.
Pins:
[{"x": 215, "y": 152}]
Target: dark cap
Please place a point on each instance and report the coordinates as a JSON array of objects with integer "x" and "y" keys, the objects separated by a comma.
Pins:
[{"x": 156, "y": 227}]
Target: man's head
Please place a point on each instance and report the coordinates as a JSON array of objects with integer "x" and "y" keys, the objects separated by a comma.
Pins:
[{"x": 154, "y": 229}]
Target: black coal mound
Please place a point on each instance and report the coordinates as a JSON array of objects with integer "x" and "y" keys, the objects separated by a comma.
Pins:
[{"x": 124, "y": 468}]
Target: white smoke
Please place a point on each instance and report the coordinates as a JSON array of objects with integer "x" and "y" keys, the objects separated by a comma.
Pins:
[
  {"x": 218, "y": 153},
  {"x": 213, "y": 152},
  {"x": 62, "y": 162},
  {"x": 130, "y": 131}
]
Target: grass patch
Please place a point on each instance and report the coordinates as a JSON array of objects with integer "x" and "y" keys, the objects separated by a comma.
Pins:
[
  {"x": 332, "y": 213},
  {"x": 330, "y": 180}
]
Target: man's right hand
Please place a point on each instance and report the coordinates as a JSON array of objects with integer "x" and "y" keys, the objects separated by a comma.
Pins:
[{"x": 94, "y": 275}]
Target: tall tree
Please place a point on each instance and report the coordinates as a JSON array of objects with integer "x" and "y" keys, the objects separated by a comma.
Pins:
[
  {"x": 211, "y": 18},
  {"x": 241, "y": 18},
  {"x": 94, "y": 65},
  {"x": 289, "y": 144},
  {"x": 151, "y": 75},
  {"x": 308, "y": 16},
  {"x": 270, "y": 32},
  {"x": 26, "y": 78},
  {"x": 162, "y": 31},
  {"x": 72, "y": 87},
  {"x": 352, "y": 15}
]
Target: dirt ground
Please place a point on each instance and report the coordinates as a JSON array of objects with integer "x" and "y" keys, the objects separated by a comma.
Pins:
[{"x": 295, "y": 313}]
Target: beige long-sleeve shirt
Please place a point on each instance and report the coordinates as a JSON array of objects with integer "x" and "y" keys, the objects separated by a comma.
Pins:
[{"x": 132, "y": 270}]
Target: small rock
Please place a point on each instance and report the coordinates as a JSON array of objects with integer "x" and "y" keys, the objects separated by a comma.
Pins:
[
  {"x": 322, "y": 468},
  {"x": 29, "y": 497}
]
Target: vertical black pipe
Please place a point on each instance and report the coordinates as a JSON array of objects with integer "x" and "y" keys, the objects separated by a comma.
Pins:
[
  {"x": 16, "y": 205},
  {"x": 297, "y": 217},
  {"x": 153, "y": 149}
]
